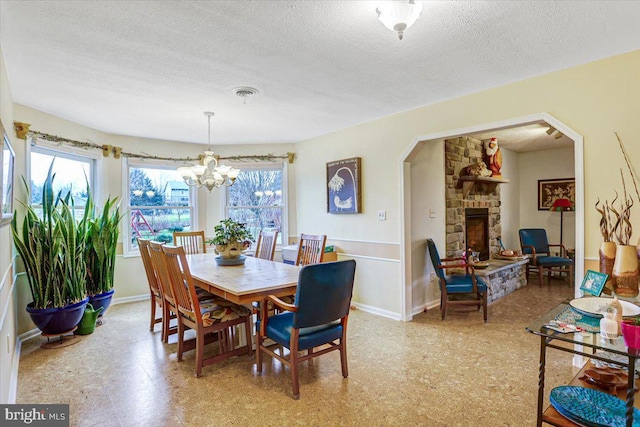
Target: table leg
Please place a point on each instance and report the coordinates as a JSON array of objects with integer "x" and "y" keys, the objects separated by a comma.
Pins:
[
  {"x": 541, "y": 368},
  {"x": 631, "y": 391}
]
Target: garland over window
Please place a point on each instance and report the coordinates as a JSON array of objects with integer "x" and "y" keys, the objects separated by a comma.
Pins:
[{"x": 22, "y": 131}]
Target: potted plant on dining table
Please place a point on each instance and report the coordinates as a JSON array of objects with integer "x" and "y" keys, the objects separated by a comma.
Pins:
[{"x": 230, "y": 240}]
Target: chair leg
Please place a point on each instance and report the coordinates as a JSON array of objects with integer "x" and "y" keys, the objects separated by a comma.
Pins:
[
  {"x": 180, "y": 339},
  {"x": 166, "y": 322},
  {"x": 484, "y": 306},
  {"x": 343, "y": 356},
  {"x": 293, "y": 360},
  {"x": 540, "y": 275},
  {"x": 199, "y": 351},
  {"x": 445, "y": 300},
  {"x": 258, "y": 352},
  {"x": 153, "y": 313}
]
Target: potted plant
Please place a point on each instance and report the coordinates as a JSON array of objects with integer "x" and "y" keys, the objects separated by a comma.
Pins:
[
  {"x": 230, "y": 240},
  {"x": 52, "y": 250},
  {"x": 101, "y": 234}
]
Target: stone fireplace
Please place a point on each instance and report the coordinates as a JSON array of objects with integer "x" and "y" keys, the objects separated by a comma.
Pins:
[{"x": 461, "y": 152}]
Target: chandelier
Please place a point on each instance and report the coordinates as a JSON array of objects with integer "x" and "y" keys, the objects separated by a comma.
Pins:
[
  {"x": 209, "y": 174},
  {"x": 398, "y": 15}
]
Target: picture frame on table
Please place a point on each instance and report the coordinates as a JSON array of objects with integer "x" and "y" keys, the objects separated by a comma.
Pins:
[
  {"x": 593, "y": 282},
  {"x": 344, "y": 186},
  {"x": 551, "y": 189},
  {"x": 7, "y": 163}
]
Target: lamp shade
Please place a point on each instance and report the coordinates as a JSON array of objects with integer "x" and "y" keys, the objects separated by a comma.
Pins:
[
  {"x": 561, "y": 205},
  {"x": 398, "y": 15}
]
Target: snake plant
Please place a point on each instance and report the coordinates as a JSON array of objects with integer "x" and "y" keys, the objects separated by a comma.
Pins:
[
  {"x": 102, "y": 240},
  {"x": 52, "y": 249}
]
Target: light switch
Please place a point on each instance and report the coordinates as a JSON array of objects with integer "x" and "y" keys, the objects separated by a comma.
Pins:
[
  {"x": 382, "y": 215},
  {"x": 432, "y": 213}
]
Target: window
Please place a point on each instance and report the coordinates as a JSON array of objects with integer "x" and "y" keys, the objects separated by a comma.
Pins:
[
  {"x": 73, "y": 173},
  {"x": 159, "y": 203},
  {"x": 258, "y": 199}
]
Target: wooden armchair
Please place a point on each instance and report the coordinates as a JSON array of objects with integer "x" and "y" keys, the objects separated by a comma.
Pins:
[
  {"x": 191, "y": 241},
  {"x": 318, "y": 318},
  {"x": 534, "y": 242},
  {"x": 457, "y": 289},
  {"x": 215, "y": 316},
  {"x": 168, "y": 302}
]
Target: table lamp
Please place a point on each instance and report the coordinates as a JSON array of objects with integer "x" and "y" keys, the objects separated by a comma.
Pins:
[{"x": 561, "y": 205}]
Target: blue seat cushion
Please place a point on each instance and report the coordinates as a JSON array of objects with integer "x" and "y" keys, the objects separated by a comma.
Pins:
[
  {"x": 552, "y": 261},
  {"x": 279, "y": 330},
  {"x": 461, "y": 283}
]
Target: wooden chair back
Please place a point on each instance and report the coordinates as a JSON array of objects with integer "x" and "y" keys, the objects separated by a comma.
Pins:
[
  {"x": 181, "y": 282},
  {"x": 154, "y": 286},
  {"x": 310, "y": 249},
  {"x": 266, "y": 246},
  {"x": 159, "y": 265},
  {"x": 191, "y": 241}
]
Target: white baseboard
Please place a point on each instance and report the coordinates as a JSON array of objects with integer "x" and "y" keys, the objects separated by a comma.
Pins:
[
  {"x": 377, "y": 311},
  {"x": 427, "y": 306},
  {"x": 134, "y": 298}
]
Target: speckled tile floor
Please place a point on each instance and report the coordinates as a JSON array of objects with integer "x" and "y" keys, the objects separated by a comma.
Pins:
[{"x": 427, "y": 372}]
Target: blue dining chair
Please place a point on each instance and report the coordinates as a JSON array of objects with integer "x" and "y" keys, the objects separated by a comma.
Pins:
[
  {"x": 318, "y": 317},
  {"x": 457, "y": 289},
  {"x": 534, "y": 242}
]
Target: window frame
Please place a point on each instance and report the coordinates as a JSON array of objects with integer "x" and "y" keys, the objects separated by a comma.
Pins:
[
  {"x": 281, "y": 165},
  {"x": 127, "y": 163},
  {"x": 70, "y": 153}
]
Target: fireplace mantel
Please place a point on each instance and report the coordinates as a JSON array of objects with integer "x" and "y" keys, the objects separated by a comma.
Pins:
[{"x": 480, "y": 184}]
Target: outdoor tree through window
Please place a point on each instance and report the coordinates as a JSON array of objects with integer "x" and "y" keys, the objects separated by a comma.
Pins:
[
  {"x": 159, "y": 203},
  {"x": 256, "y": 199}
]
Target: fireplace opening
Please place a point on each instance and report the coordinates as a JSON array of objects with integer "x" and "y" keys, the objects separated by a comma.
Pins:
[{"x": 476, "y": 225}]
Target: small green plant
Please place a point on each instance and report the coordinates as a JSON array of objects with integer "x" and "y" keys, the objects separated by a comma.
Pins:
[{"x": 228, "y": 231}]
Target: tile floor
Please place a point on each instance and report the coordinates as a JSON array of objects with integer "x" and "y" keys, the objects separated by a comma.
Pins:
[{"x": 427, "y": 372}]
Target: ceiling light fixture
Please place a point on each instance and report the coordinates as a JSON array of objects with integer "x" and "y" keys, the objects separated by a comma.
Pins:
[
  {"x": 398, "y": 15},
  {"x": 209, "y": 174},
  {"x": 245, "y": 92}
]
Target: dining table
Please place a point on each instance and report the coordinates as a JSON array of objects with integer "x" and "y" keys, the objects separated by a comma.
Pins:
[{"x": 245, "y": 283}]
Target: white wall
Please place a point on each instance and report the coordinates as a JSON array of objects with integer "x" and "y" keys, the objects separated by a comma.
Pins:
[
  {"x": 427, "y": 194},
  {"x": 546, "y": 164},
  {"x": 510, "y": 199}
]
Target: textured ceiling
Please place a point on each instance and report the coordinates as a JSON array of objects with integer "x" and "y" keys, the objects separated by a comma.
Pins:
[{"x": 151, "y": 69}]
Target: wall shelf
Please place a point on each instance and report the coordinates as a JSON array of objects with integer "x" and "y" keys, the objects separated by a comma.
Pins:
[{"x": 479, "y": 184}]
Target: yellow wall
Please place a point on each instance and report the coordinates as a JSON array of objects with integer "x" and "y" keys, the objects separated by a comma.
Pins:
[{"x": 595, "y": 100}]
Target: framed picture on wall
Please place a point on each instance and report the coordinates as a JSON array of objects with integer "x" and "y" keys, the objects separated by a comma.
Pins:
[
  {"x": 551, "y": 189},
  {"x": 343, "y": 186},
  {"x": 7, "y": 160}
]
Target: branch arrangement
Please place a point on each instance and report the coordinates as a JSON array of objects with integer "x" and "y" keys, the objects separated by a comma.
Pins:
[
  {"x": 620, "y": 228},
  {"x": 117, "y": 151}
]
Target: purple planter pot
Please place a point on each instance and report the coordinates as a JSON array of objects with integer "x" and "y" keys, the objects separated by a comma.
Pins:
[
  {"x": 101, "y": 300},
  {"x": 56, "y": 321}
]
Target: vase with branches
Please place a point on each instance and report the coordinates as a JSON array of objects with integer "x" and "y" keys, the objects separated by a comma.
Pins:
[{"x": 615, "y": 227}]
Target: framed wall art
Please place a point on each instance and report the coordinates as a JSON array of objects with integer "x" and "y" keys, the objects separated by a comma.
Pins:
[
  {"x": 7, "y": 161},
  {"x": 593, "y": 282},
  {"x": 551, "y": 189},
  {"x": 343, "y": 186}
]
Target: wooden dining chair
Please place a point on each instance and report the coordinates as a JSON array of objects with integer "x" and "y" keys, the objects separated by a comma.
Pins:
[
  {"x": 168, "y": 300},
  {"x": 317, "y": 319},
  {"x": 310, "y": 249},
  {"x": 191, "y": 241},
  {"x": 154, "y": 286},
  {"x": 212, "y": 316},
  {"x": 266, "y": 245}
]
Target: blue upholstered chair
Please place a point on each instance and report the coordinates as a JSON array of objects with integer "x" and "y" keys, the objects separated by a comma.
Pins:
[
  {"x": 317, "y": 318},
  {"x": 457, "y": 289},
  {"x": 534, "y": 242}
]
